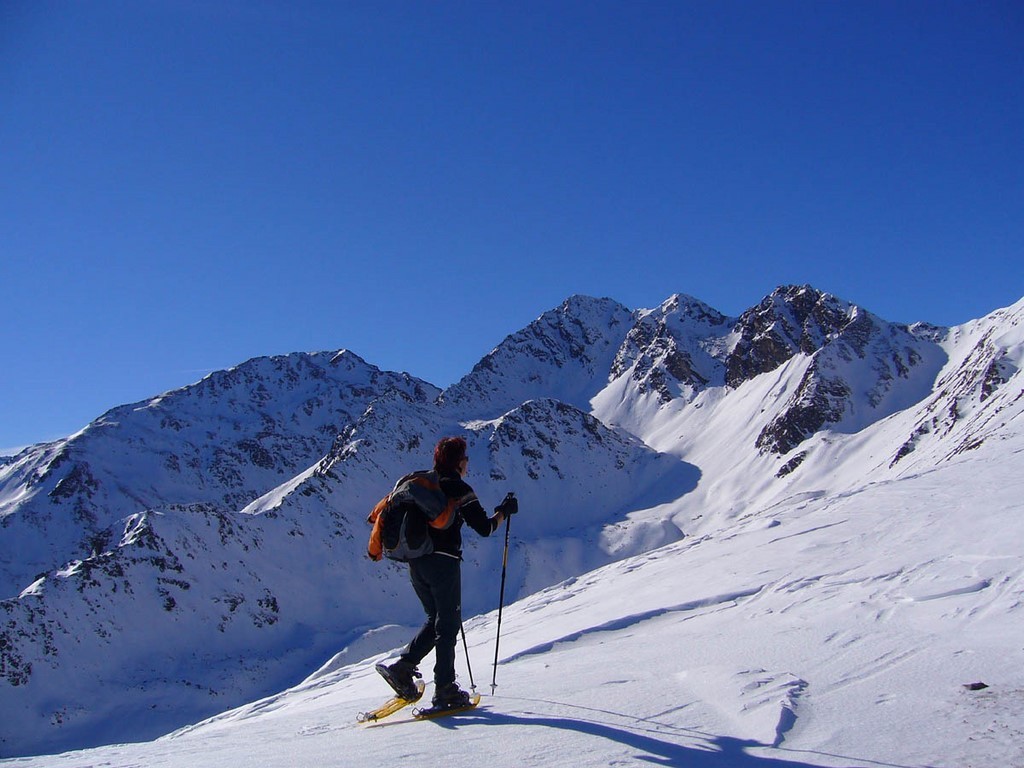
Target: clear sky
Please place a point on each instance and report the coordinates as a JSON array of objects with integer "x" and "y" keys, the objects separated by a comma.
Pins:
[{"x": 187, "y": 184}]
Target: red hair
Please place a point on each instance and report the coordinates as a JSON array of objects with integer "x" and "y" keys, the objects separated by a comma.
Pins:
[{"x": 448, "y": 453}]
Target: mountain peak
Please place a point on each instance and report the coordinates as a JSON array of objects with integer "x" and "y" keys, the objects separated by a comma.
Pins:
[
  {"x": 581, "y": 303},
  {"x": 684, "y": 306},
  {"x": 792, "y": 319},
  {"x": 565, "y": 353}
]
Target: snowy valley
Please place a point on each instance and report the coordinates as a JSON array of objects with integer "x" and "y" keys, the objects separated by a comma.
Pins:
[{"x": 786, "y": 538}]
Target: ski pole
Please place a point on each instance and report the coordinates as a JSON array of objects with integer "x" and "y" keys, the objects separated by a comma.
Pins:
[
  {"x": 501, "y": 603},
  {"x": 472, "y": 685}
]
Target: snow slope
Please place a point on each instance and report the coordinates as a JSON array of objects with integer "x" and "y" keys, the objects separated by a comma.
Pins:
[
  {"x": 191, "y": 609},
  {"x": 830, "y": 631}
]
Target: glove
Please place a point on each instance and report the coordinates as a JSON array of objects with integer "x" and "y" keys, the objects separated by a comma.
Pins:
[{"x": 509, "y": 505}]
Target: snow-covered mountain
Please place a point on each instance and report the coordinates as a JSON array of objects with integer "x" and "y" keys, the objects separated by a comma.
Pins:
[
  {"x": 565, "y": 354},
  {"x": 187, "y": 554},
  {"x": 224, "y": 441}
]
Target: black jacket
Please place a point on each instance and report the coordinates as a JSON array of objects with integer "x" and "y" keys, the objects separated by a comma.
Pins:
[{"x": 470, "y": 511}]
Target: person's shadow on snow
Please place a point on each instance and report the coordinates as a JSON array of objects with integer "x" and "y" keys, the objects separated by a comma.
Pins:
[{"x": 655, "y": 745}]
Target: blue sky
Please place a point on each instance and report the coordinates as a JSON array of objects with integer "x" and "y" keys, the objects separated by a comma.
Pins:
[{"x": 185, "y": 185}]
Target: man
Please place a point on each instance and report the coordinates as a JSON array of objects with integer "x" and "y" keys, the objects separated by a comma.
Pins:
[{"x": 437, "y": 580}]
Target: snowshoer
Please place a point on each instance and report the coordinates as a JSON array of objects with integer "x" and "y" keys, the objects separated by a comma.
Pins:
[{"x": 437, "y": 580}]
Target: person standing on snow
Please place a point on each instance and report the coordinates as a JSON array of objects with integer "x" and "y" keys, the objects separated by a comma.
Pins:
[{"x": 437, "y": 580}]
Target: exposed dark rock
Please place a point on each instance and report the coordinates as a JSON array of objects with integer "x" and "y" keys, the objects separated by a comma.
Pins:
[
  {"x": 791, "y": 320},
  {"x": 819, "y": 401}
]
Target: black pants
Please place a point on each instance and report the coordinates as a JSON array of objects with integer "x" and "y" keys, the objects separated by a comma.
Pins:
[{"x": 437, "y": 580}]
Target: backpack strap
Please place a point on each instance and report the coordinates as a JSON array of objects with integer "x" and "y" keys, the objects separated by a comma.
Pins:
[{"x": 375, "y": 547}]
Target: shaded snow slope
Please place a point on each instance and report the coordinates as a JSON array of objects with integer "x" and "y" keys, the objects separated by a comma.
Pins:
[{"x": 190, "y": 610}]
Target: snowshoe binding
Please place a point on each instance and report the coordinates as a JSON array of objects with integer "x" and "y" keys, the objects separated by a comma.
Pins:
[
  {"x": 449, "y": 697},
  {"x": 448, "y": 701},
  {"x": 401, "y": 676}
]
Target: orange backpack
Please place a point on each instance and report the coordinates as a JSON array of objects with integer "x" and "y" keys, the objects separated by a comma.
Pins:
[{"x": 400, "y": 520}]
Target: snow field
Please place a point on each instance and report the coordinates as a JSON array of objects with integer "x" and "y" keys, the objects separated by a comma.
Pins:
[{"x": 832, "y": 632}]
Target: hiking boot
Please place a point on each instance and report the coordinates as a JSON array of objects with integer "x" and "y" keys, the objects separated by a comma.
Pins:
[
  {"x": 402, "y": 677},
  {"x": 451, "y": 697}
]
